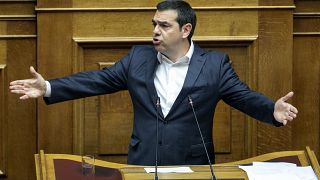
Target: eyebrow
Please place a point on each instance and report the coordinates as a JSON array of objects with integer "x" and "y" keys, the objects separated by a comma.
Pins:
[{"x": 160, "y": 22}]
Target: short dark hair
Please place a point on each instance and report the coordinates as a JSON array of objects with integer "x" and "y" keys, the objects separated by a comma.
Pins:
[{"x": 185, "y": 13}]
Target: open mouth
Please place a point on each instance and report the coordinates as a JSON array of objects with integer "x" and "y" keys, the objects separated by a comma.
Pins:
[{"x": 156, "y": 41}]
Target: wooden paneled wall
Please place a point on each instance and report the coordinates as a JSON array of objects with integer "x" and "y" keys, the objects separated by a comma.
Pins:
[
  {"x": 306, "y": 74},
  {"x": 18, "y": 120},
  {"x": 274, "y": 47}
]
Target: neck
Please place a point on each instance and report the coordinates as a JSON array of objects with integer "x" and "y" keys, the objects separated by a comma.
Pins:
[{"x": 179, "y": 52}]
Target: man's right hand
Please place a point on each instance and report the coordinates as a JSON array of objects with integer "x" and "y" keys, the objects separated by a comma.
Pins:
[{"x": 29, "y": 88}]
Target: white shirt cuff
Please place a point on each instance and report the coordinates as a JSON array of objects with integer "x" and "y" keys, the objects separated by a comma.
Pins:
[{"x": 48, "y": 91}]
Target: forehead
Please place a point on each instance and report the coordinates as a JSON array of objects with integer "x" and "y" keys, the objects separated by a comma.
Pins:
[{"x": 166, "y": 15}]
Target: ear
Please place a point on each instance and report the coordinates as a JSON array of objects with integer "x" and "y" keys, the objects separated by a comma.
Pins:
[{"x": 186, "y": 30}]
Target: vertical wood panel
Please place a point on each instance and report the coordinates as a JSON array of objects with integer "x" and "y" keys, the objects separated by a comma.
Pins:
[
  {"x": 306, "y": 68},
  {"x": 18, "y": 52},
  {"x": 55, "y": 60},
  {"x": 307, "y": 88},
  {"x": 274, "y": 73},
  {"x": 21, "y": 132},
  {"x": 3, "y": 120}
]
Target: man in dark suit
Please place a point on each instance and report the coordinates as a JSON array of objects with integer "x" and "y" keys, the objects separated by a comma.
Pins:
[{"x": 173, "y": 70}]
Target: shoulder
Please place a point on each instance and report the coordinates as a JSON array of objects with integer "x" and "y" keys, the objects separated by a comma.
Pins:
[
  {"x": 216, "y": 55},
  {"x": 143, "y": 49},
  {"x": 212, "y": 55}
]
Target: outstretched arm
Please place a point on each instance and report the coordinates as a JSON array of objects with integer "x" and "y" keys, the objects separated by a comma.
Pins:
[
  {"x": 283, "y": 111},
  {"x": 29, "y": 88}
]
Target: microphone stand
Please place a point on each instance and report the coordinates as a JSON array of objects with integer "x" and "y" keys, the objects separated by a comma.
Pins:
[
  {"x": 213, "y": 177},
  {"x": 157, "y": 124}
]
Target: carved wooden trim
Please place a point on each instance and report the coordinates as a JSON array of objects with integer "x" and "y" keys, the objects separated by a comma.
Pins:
[
  {"x": 78, "y": 113},
  {"x": 126, "y": 9},
  {"x": 148, "y": 39},
  {"x": 17, "y": 36},
  {"x": 1, "y": 1},
  {"x": 18, "y": 17},
  {"x": 306, "y": 15},
  {"x": 3, "y": 122},
  {"x": 306, "y": 33}
]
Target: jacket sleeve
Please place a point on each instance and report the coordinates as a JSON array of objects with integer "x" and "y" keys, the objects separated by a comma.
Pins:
[
  {"x": 91, "y": 83},
  {"x": 237, "y": 94}
]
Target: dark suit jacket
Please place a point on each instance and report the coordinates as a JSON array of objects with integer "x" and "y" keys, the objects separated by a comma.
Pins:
[{"x": 209, "y": 79}]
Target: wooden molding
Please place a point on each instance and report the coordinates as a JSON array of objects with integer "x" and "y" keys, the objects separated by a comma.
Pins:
[
  {"x": 17, "y": 36},
  {"x": 306, "y": 34},
  {"x": 3, "y": 123},
  {"x": 148, "y": 39},
  {"x": 153, "y": 8},
  {"x": 1, "y": 1},
  {"x": 18, "y": 17},
  {"x": 306, "y": 15}
]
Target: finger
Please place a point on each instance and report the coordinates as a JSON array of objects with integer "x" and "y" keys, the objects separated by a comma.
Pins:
[
  {"x": 16, "y": 87},
  {"x": 287, "y": 116},
  {"x": 34, "y": 72},
  {"x": 291, "y": 114},
  {"x": 24, "y": 97},
  {"x": 18, "y": 91},
  {"x": 284, "y": 122},
  {"x": 293, "y": 109},
  {"x": 287, "y": 96},
  {"x": 17, "y": 82}
]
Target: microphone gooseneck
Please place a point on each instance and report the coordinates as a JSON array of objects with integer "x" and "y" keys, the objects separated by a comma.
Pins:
[
  {"x": 213, "y": 177},
  {"x": 157, "y": 139}
]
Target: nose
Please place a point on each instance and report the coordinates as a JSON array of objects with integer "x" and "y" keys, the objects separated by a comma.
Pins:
[{"x": 156, "y": 30}]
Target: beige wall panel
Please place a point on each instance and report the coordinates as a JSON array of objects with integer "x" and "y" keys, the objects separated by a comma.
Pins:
[
  {"x": 17, "y": 8},
  {"x": 55, "y": 60},
  {"x": 306, "y": 84},
  {"x": 128, "y": 24},
  {"x": 275, "y": 73},
  {"x": 307, "y": 5},
  {"x": 22, "y": 115},
  {"x": 153, "y": 3}
]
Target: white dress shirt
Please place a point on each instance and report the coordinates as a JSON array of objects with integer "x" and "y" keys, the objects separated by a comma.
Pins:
[{"x": 169, "y": 78}]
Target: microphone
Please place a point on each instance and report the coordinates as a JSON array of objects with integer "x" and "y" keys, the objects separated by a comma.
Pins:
[
  {"x": 157, "y": 139},
  {"x": 213, "y": 177}
]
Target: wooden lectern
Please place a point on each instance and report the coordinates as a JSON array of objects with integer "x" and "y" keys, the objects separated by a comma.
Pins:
[{"x": 63, "y": 166}]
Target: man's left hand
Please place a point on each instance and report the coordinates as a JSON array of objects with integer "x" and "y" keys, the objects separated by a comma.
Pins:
[{"x": 283, "y": 111}]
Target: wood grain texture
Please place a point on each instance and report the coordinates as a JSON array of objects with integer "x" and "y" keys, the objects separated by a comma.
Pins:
[
  {"x": 3, "y": 120},
  {"x": 307, "y": 6},
  {"x": 306, "y": 68},
  {"x": 55, "y": 60},
  {"x": 274, "y": 74},
  {"x": 273, "y": 47},
  {"x": 21, "y": 131},
  {"x": 17, "y": 8},
  {"x": 306, "y": 85}
]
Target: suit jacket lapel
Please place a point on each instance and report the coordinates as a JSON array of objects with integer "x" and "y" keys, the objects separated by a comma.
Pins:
[
  {"x": 194, "y": 70},
  {"x": 152, "y": 64}
]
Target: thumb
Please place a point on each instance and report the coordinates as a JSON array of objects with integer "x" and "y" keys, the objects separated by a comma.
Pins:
[
  {"x": 34, "y": 72},
  {"x": 288, "y": 96}
]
